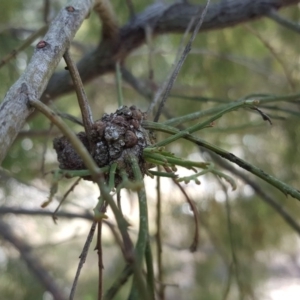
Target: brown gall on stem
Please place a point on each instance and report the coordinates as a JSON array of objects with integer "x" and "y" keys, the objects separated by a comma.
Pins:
[
  {"x": 130, "y": 139},
  {"x": 113, "y": 139}
]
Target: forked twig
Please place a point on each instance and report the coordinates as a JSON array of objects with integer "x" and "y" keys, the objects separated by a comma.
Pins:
[
  {"x": 201, "y": 14},
  {"x": 261, "y": 99},
  {"x": 283, "y": 187},
  {"x": 283, "y": 21},
  {"x": 194, "y": 209},
  {"x": 23, "y": 46},
  {"x": 82, "y": 258},
  {"x": 72, "y": 187}
]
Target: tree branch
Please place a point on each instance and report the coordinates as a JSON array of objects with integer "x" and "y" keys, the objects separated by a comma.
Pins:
[
  {"x": 14, "y": 110},
  {"x": 284, "y": 22},
  {"x": 161, "y": 18}
]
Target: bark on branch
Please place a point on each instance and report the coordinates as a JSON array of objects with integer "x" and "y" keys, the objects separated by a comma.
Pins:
[{"x": 14, "y": 110}]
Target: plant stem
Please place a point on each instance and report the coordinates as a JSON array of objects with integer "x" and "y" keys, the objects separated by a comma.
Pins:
[
  {"x": 196, "y": 127},
  {"x": 283, "y": 187},
  {"x": 81, "y": 173},
  {"x": 163, "y": 174},
  {"x": 197, "y": 20},
  {"x": 259, "y": 97},
  {"x": 119, "y": 84},
  {"x": 82, "y": 258},
  {"x": 85, "y": 109},
  {"x": 150, "y": 271},
  {"x": 112, "y": 291},
  {"x": 112, "y": 174},
  {"x": 24, "y": 45},
  {"x": 161, "y": 288},
  {"x": 138, "y": 289}
]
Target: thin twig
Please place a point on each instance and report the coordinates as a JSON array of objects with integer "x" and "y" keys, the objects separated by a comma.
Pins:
[
  {"x": 218, "y": 245},
  {"x": 138, "y": 289},
  {"x": 72, "y": 187},
  {"x": 209, "y": 121},
  {"x": 260, "y": 98},
  {"x": 85, "y": 109},
  {"x": 194, "y": 209},
  {"x": 148, "y": 31},
  {"x": 119, "y": 84},
  {"x": 228, "y": 283},
  {"x": 69, "y": 117},
  {"x": 283, "y": 21},
  {"x": 140, "y": 86},
  {"x": 110, "y": 27},
  {"x": 44, "y": 212},
  {"x": 63, "y": 214},
  {"x": 277, "y": 57},
  {"x": 161, "y": 288},
  {"x": 45, "y": 149},
  {"x": 283, "y": 187},
  {"x": 131, "y": 9},
  {"x": 100, "y": 260},
  {"x": 282, "y": 109},
  {"x": 23, "y": 46},
  {"x": 82, "y": 258},
  {"x": 46, "y": 10},
  {"x": 119, "y": 201},
  {"x": 290, "y": 220},
  {"x": 150, "y": 270},
  {"x": 99, "y": 249},
  {"x": 143, "y": 88},
  {"x": 232, "y": 245},
  {"x": 36, "y": 133},
  {"x": 201, "y": 14}
]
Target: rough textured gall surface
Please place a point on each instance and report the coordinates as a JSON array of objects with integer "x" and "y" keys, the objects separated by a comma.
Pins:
[{"x": 113, "y": 138}]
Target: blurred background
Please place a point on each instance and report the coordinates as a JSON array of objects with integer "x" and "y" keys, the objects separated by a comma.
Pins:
[{"x": 246, "y": 249}]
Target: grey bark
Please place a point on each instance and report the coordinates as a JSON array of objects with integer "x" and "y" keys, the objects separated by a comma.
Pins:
[
  {"x": 162, "y": 18},
  {"x": 14, "y": 110}
]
